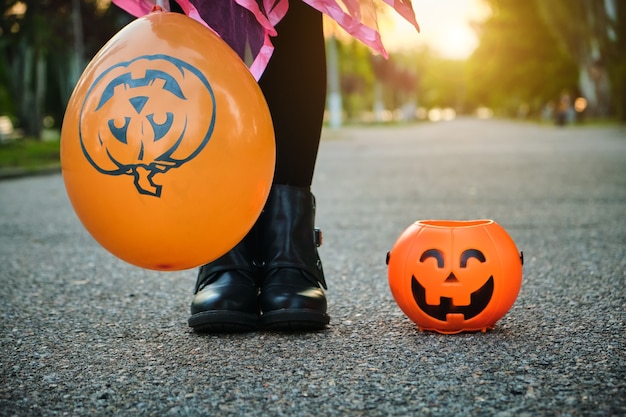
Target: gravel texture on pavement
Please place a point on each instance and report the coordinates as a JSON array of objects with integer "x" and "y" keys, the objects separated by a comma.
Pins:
[{"x": 83, "y": 334}]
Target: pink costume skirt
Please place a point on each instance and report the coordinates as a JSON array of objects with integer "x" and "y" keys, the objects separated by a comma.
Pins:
[{"x": 248, "y": 25}]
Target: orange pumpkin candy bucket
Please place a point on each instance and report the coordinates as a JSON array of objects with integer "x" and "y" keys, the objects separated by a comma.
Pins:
[
  {"x": 167, "y": 145},
  {"x": 455, "y": 276}
]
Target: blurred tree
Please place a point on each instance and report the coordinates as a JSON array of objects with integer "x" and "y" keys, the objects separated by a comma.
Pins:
[
  {"x": 616, "y": 57},
  {"x": 430, "y": 80},
  {"x": 593, "y": 32},
  {"x": 395, "y": 85},
  {"x": 519, "y": 63},
  {"x": 44, "y": 45},
  {"x": 356, "y": 77},
  {"x": 384, "y": 72},
  {"x": 443, "y": 83}
]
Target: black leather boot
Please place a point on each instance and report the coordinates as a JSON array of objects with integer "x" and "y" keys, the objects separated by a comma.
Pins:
[
  {"x": 291, "y": 297},
  {"x": 226, "y": 293}
]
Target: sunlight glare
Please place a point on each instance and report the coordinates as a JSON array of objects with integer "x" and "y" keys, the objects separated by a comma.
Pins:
[
  {"x": 445, "y": 27},
  {"x": 458, "y": 42}
]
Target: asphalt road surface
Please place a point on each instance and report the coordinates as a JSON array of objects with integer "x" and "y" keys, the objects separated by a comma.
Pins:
[{"x": 82, "y": 333}]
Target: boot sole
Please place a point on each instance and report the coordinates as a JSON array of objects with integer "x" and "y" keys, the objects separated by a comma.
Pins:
[
  {"x": 223, "y": 322},
  {"x": 294, "y": 320}
]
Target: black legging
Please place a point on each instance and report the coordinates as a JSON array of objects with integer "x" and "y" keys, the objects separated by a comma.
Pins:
[{"x": 294, "y": 85}]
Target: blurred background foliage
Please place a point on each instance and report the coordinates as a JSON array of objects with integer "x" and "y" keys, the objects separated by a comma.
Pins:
[{"x": 531, "y": 54}]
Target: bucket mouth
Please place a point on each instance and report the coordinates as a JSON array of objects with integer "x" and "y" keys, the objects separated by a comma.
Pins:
[{"x": 455, "y": 223}]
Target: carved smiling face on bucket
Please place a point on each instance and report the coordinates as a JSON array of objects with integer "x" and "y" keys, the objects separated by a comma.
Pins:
[
  {"x": 453, "y": 276},
  {"x": 439, "y": 291}
]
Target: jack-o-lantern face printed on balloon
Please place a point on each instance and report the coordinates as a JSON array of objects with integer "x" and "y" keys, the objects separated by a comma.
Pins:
[
  {"x": 167, "y": 145},
  {"x": 136, "y": 135},
  {"x": 452, "y": 276}
]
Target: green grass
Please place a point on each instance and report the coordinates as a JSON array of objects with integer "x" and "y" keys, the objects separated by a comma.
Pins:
[{"x": 29, "y": 153}]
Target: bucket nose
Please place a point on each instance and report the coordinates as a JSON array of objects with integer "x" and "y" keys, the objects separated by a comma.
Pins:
[{"x": 452, "y": 279}]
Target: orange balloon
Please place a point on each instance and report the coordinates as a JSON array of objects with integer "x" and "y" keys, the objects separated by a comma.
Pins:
[
  {"x": 167, "y": 146},
  {"x": 454, "y": 276}
]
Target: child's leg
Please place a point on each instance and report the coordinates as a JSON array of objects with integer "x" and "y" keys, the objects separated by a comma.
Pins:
[{"x": 294, "y": 85}]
